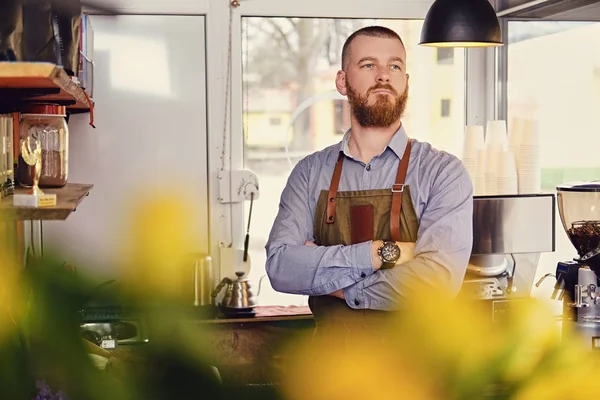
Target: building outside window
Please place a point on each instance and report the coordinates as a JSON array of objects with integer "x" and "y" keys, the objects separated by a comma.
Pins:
[
  {"x": 445, "y": 108},
  {"x": 445, "y": 55}
]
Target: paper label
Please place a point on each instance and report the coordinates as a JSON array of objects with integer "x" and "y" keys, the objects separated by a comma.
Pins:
[{"x": 46, "y": 201}]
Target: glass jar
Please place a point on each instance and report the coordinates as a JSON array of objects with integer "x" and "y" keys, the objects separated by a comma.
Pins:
[
  {"x": 580, "y": 214},
  {"x": 46, "y": 123}
]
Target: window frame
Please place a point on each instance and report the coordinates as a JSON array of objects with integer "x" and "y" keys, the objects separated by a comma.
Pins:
[{"x": 227, "y": 220}]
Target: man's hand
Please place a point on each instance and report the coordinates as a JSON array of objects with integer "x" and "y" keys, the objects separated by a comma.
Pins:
[
  {"x": 407, "y": 252},
  {"x": 375, "y": 260}
]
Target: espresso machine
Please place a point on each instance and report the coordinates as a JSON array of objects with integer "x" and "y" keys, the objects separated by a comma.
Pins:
[
  {"x": 577, "y": 280},
  {"x": 509, "y": 234}
]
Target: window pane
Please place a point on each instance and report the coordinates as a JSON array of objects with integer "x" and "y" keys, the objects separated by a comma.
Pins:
[
  {"x": 289, "y": 68},
  {"x": 554, "y": 79}
]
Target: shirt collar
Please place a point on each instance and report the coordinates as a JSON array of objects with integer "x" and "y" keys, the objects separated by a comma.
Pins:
[{"x": 397, "y": 144}]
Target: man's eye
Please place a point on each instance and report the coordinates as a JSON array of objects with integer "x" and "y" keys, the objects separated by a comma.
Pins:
[
  {"x": 398, "y": 67},
  {"x": 367, "y": 65}
]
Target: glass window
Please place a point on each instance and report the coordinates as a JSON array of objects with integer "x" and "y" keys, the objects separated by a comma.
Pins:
[
  {"x": 554, "y": 79},
  {"x": 289, "y": 68}
]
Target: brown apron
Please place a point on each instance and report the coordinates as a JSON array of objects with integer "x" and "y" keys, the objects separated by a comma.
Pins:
[{"x": 354, "y": 217}]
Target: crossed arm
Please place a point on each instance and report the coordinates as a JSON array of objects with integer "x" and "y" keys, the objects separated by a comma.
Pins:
[
  {"x": 440, "y": 255},
  {"x": 407, "y": 253}
]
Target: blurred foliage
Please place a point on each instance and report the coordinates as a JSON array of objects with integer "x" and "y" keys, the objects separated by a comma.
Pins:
[
  {"x": 43, "y": 353},
  {"x": 445, "y": 348},
  {"x": 437, "y": 348}
]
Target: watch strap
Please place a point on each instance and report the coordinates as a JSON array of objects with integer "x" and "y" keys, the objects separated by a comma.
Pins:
[{"x": 387, "y": 265}]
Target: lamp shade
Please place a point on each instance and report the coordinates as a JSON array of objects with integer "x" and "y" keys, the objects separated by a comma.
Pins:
[{"x": 461, "y": 23}]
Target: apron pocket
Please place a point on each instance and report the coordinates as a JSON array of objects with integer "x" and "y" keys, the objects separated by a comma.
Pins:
[{"x": 361, "y": 222}]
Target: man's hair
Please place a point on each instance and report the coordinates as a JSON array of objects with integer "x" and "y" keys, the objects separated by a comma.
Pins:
[{"x": 372, "y": 31}]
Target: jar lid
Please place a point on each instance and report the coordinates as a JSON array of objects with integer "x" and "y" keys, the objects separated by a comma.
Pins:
[
  {"x": 48, "y": 109},
  {"x": 589, "y": 186}
]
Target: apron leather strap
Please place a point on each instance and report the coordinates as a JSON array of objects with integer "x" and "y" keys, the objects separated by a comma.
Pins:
[
  {"x": 333, "y": 188},
  {"x": 397, "y": 191}
]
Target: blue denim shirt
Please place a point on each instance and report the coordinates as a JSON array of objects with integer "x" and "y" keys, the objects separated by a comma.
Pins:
[{"x": 442, "y": 195}]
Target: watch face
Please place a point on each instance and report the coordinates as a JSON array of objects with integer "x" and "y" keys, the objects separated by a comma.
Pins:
[{"x": 390, "y": 252}]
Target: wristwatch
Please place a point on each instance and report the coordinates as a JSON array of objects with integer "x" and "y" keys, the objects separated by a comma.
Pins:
[{"x": 389, "y": 253}]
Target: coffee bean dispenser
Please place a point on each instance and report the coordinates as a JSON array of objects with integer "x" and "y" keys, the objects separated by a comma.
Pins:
[{"x": 577, "y": 280}]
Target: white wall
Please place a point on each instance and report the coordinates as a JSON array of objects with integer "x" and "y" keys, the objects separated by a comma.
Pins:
[{"x": 150, "y": 95}]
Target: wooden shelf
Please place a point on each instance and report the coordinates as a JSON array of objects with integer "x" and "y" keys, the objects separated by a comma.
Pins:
[
  {"x": 67, "y": 199},
  {"x": 27, "y": 82}
]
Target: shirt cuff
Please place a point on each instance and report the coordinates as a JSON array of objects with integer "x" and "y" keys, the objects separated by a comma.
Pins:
[
  {"x": 361, "y": 260},
  {"x": 354, "y": 296}
]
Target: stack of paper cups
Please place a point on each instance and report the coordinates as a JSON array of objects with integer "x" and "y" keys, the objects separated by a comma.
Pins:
[
  {"x": 507, "y": 174},
  {"x": 493, "y": 154},
  {"x": 515, "y": 134},
  {"x": 472, "y": 144},
  {"x": 529, "y": 165},
  {"x": 479, "y": 180},
  {"x": 495, "y": 134},
  {"x": 495, "y": 145}
]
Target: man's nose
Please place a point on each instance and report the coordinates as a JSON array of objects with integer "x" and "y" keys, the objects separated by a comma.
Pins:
[{"x": 383, "y": 77}]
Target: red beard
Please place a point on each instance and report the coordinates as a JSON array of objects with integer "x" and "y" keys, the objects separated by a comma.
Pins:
[{"x": 383, "y": 113}]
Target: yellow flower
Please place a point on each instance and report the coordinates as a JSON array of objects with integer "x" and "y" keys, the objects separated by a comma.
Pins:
[
  {"x": 160, "y": 240},
  {"x": 568, "y": 372},
  {"x": 443, "y": 348},
  {"x": 353, "y": 369},
  {"x": 529, "y": 333}
]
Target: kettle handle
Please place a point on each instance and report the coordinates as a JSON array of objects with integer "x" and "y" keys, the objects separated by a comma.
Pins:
[
  {"x": 260, "y": 284},
  {"x": 225, "y": 281}
]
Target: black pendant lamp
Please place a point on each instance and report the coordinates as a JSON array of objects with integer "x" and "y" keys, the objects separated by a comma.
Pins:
[{"x": 461, "y": 23}]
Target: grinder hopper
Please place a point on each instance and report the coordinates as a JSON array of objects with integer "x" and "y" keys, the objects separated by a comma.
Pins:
[{"x": 579, "y": 209}]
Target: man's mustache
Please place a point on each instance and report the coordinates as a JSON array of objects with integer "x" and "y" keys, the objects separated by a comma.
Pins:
[{"x": 384, "y": 87}]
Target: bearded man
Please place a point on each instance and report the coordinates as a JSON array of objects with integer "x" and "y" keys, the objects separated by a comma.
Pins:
[{"x": 365, "y": 223}]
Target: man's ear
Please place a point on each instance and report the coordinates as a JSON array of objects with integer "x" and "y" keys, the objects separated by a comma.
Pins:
[
  {"x": 407, "y": 78},
  {"x": 340, "y": 82}
]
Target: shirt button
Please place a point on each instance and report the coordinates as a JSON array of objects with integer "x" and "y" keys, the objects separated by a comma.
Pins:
[
  {"x": 369, "y": 167},
  {"x": 356, "y": 302},
  {"x": 363, "y": 275}
]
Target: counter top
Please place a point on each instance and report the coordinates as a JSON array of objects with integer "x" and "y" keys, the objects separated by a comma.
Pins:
[{"x": 265, "y": 314}]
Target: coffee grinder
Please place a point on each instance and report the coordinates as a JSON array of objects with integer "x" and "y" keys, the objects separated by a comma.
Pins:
[{"x": 577, "y": 281}]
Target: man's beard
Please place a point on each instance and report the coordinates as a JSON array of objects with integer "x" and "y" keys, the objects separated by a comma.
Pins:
[{"x": 381, "y": 114}]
